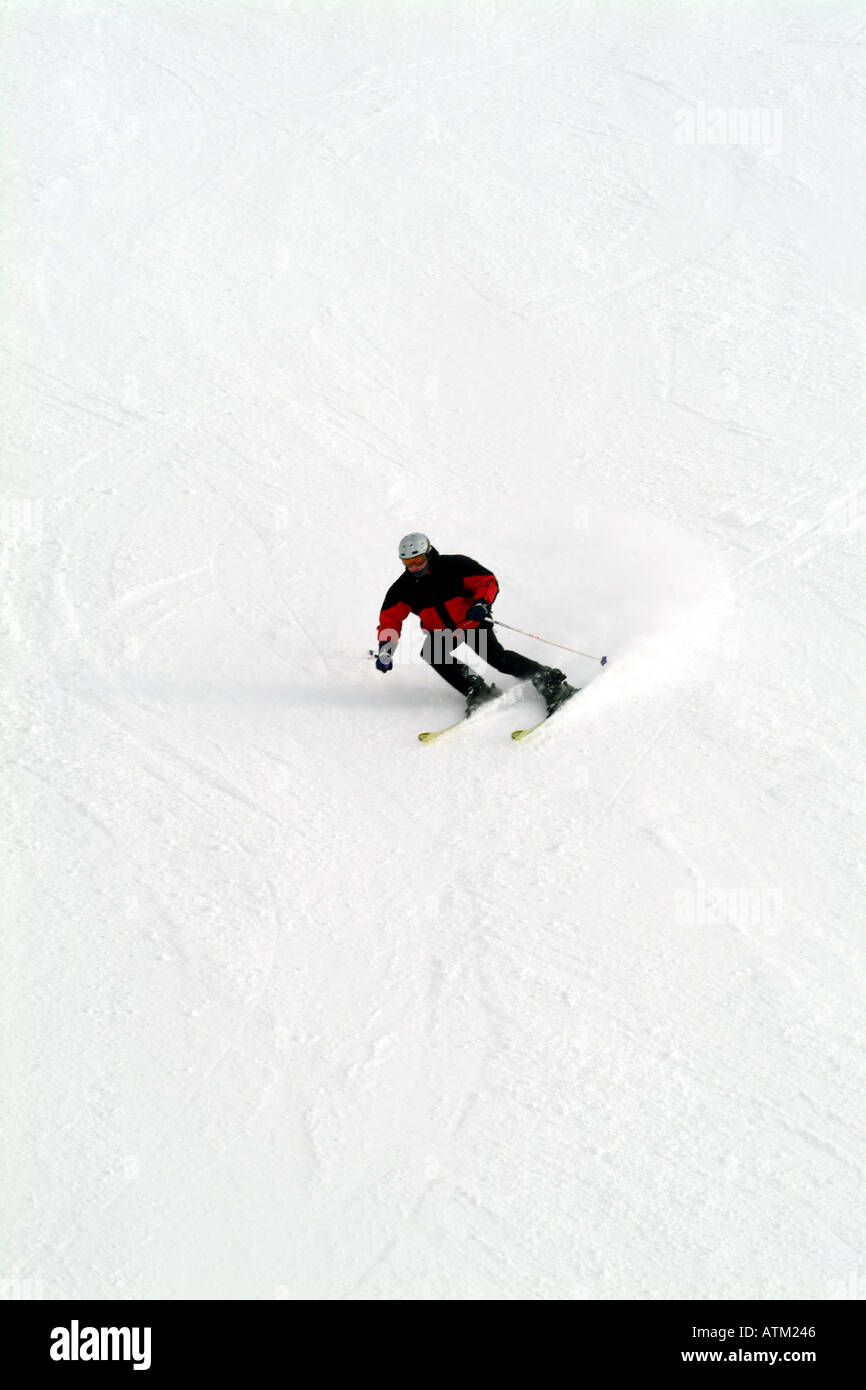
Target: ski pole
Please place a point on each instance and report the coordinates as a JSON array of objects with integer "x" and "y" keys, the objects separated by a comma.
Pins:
[{"x": 550, "y": 643}]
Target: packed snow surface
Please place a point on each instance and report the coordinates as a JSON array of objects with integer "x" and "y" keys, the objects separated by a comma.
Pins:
[{"x": 294, "y": 1005}]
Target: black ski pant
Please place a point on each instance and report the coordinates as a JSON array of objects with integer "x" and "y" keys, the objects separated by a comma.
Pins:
[{"x": 439, "y": 647}]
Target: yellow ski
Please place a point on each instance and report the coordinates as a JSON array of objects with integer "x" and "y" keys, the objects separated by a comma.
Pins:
[
  {"x": 432, "y": 734},
  {"x": 520, "y": 734}
]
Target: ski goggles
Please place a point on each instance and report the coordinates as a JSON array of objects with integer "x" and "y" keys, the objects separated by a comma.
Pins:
[{"x": 416, "y": 562}]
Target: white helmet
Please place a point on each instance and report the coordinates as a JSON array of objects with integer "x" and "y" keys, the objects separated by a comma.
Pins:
[{"x": 413, "y": 545}]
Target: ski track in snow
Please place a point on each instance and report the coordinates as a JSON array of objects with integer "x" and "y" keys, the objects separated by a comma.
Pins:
[{"x": 295, "y": 1006}]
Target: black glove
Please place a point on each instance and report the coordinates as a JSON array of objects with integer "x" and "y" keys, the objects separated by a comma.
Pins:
[
  {"x": 383, "y": 660},
  {"x": 479, "y": 612}
]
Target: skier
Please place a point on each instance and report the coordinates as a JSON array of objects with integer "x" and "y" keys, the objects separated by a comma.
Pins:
[{"x": 452, "y": 595}]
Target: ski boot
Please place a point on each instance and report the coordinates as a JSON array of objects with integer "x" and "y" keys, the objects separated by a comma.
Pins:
[
  {"x": 552, "y": 685},
  {"x": 479, "y": 693}
]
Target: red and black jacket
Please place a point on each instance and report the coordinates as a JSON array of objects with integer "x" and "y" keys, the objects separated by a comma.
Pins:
[{"x": 441, "y": 597}]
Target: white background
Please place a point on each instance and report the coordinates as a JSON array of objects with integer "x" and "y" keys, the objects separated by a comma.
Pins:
[{"x": 295, "y": 1006}]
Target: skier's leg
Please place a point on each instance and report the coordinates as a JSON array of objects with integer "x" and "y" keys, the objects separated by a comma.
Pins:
[
  {"x": 484, "y": 641},
  {"x": 546, "y": 679},
  {"x": 437, "y": 650}
]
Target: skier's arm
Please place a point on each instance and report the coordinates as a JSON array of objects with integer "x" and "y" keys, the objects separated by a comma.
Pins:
[
  {"x": 391, "y": 619},
  {"x": 481, "y": 584},
  {"x": 394, "y": 612}
]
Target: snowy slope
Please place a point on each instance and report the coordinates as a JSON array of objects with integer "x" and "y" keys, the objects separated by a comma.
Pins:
[{"x": 293, "y": 1005}]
